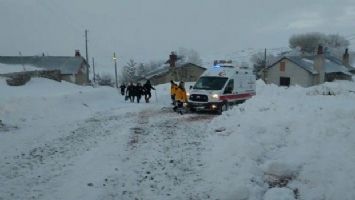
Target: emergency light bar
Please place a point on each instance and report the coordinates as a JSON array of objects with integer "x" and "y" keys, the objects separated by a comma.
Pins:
[{"x": 222, "y": 62}]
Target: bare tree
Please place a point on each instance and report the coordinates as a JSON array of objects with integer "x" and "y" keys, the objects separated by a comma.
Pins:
[
  {"x": 129, "y": 71},
  {"x": 259, "y": 62},
  {"x": 189, "y": 56},
  {"x": 308, "y": 42},
  {"x": 141, "y": 70},
  {"x": 105, "y": 79}
]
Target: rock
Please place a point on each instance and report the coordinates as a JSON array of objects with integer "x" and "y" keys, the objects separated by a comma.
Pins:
[
  {"x": 221, "y": 129},
  {"x": 18, "y": 80},
  {"x": 90, "y": 184},
  {"x": 279, "y": 174}
]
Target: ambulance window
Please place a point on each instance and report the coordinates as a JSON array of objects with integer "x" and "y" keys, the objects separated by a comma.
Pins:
[
  {"x": 210, "y": 83},
  {"x": 229, "y": 88}
]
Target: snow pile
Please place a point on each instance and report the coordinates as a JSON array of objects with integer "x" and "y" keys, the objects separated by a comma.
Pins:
[
  {"x": 279, "y": 194},
  {"x": 43, "y": 105},
  {"x": 301, "y": 140}
]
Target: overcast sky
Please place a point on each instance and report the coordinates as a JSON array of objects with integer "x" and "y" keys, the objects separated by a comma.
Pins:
[{"x": 149, "y": 29}]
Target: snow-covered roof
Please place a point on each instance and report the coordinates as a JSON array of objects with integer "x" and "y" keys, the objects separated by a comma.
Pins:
[
  {"x": 11, "y": 68},
  {"x": 165, "y": 68},
  {"x": 333, "y": 67},
  {"x": 66, "y": 64},
  {"x": 160, "y": 70}
]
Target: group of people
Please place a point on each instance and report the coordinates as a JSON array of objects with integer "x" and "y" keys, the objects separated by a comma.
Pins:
[
  {"x": 134, "y": 92},
  {"x": 178, "y": 96}
]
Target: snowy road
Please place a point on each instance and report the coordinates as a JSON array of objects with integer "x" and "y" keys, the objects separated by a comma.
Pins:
[
  {"x": 120, "y": 154},
  {"x": 61, "y": 141}
]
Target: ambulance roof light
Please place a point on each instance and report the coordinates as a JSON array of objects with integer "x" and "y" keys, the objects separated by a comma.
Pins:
[{"x": 222, "y": 62}]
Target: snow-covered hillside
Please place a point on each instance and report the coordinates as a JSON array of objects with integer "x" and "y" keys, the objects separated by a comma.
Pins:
[{"x": 62, "y": 141}]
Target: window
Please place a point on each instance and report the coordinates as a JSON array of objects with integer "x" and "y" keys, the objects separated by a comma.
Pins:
[
  {"x": 284, "y": 81},
  {"x": 210, "y": 83},
  {"x": 282, "y": 66},
  {"x": 229, "y": 87}
]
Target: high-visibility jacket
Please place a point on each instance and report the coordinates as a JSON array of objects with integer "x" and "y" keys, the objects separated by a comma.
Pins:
[
  {"x": 180, "y": 94},
  {"x": 173, "y": 89}
]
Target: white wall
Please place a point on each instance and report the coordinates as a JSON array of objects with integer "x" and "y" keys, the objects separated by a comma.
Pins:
[{"x": 298, "y": 75}]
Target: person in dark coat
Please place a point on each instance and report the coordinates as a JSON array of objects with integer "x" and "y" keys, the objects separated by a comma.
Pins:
[
  {"x": 147, "y": 91},
  {"x": 123, "y": 89},
  {"x": 138, "y": 91},
  {"x": 130, "y": 92}
]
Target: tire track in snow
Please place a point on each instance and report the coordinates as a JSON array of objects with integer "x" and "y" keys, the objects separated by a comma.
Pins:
[{"x": 162, "y": 158}]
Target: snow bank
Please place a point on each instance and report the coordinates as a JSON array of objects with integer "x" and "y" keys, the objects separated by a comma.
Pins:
[
  {"x": 306, "y": 135},
  {"x": 43, "y": 105}
]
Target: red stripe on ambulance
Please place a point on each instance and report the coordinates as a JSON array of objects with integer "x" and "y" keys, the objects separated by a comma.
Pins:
[{"x": 236, "y": 96}]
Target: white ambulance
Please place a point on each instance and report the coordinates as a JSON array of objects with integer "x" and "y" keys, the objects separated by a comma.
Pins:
[{"x": 220, "y": 86}]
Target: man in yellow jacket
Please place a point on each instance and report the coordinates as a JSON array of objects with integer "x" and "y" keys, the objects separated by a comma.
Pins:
[
  {"x": 180, "y": 97},
  {"x": 173, "y": 89}
]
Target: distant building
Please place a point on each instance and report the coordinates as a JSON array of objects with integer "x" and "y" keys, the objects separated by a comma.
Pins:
[
  {"x": 72, "y": 69},
  {"x": 187, "y": 72},
  {"x": 307, "y": 71}
]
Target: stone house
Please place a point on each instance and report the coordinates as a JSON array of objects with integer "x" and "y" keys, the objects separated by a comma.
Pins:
[
  {"x": 187, "y": 72},
  {"x": 307, "y": 71},
  {"x": 72, "y": 69}
]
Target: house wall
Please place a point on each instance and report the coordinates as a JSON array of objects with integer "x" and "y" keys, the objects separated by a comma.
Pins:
[
  {"x": 190, "y": 73},
  {"x": 329, "y": 77},
  {"x": 69, "y": 78},
  {"x": 297, "y": 75},
  {"x": 81, "y": 77}
]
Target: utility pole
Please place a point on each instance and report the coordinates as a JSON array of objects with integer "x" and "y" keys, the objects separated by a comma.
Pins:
[
  {"x": 93, "y": 68},
  {"x": 265, "y": 58},
  {"x": 86, "y": 51},
  {"x": 86, "y": 45},
  {"x": 264, "y": 67},
  {"x": 115, "y": 59}
]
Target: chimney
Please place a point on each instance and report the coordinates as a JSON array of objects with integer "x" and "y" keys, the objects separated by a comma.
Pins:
[
  {"x": 346, "y": 58},
  {"x": 319, "y": 62},
  {"x": 77, "y": 53}
]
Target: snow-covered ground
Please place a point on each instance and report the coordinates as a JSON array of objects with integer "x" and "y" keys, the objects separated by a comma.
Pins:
[{"x": 62, "y": 141}]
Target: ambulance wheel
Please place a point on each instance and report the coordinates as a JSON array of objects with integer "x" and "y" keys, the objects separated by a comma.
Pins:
[{"x": 222, "y": 107}]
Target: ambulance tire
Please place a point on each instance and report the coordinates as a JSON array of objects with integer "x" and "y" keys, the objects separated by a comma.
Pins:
[{"x": 223, "y": 107}]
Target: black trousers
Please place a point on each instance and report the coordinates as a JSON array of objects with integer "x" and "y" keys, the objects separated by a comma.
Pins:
[{"x": 147, "y": 96}]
